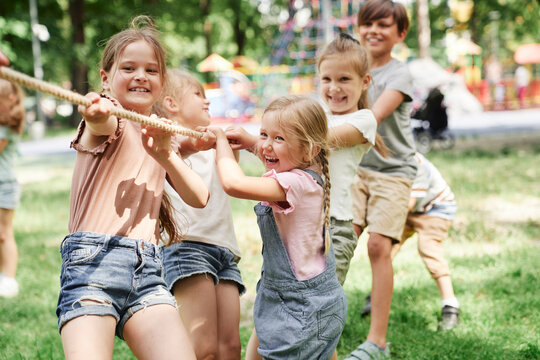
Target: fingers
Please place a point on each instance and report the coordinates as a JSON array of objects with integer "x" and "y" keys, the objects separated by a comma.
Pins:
[{"x": 99, "y": 109}]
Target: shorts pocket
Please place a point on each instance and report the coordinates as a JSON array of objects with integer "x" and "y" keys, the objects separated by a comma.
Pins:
[
  {"x": 80, "y": 253},
  {"x": 330, "y": 321}
]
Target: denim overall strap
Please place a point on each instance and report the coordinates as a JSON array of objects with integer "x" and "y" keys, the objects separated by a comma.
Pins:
[{"x": 279, "y": 270}]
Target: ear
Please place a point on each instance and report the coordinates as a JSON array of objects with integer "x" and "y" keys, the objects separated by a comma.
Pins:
[
  {"x": 171, "y": 105},
  {"x": 314, "y": 152},
  {"x": 365, "y": 82},
  {"x": 401, "y": 36},
  {"x": 104, "y": 80}
]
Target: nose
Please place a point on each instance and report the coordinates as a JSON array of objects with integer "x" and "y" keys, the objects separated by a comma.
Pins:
[
  {"x": 140, "y": 75},
  {"x": 334, "y": 86},
  {"x": 267, "y": 143}
]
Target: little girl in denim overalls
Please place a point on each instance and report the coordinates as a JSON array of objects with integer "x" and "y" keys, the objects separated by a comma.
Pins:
[{"x": 300, "y": 308}]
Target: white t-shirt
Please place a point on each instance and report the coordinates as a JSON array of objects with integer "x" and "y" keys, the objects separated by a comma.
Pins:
[
  {"x": 343, "y": 163},
  {"x": 212, "y": 224}
]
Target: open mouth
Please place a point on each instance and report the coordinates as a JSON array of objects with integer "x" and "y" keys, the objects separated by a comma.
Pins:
[
  {"x": 271, "y": 160},
  {"x": 335, "y": 99},
  {"x": 143, "y": 90}
]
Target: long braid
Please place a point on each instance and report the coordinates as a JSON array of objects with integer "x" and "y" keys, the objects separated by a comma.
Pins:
[{"x": 323, "y": 158}]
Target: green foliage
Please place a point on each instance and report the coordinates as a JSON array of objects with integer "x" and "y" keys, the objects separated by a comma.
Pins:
[{"x": 180, "y": 22}]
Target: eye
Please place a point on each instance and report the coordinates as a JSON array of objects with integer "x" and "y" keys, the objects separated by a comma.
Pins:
[
  {"x": 280, "y": 138},
  {"x": 344, "y": 78},
  {"x": 263, "y": 135},
  {"x": 325, "y": 79},
  {"x": 127, "y": 68},
  {"x": 152, "y": 71}
]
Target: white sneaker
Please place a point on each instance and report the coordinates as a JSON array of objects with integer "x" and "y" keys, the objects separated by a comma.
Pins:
[{"x": 9, "y": 287}]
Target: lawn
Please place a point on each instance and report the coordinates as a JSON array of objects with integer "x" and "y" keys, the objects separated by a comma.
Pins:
[{"x": 493, "y": 250}]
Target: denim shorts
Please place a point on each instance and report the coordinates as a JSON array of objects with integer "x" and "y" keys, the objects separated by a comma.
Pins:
[
  {"x": 10, "y": 194},
  {"x": 109, "y": 275},
  {"x": 182, "y": 260}
]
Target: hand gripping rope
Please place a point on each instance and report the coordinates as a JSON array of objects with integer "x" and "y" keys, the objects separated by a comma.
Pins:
[{"x": 78, "y": 99}]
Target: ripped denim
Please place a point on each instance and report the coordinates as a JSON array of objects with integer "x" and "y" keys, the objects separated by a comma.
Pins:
[{"x": 109, "y": 275}]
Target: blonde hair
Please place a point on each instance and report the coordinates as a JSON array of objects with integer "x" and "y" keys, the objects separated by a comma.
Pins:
[
  {"x": 347, "y": 47},
  {"x": 304, "y": 119},
  {"x": 177, "y": 84},
  {"x": 142, "y": 27},
  {"x": 13, "y": 95}
]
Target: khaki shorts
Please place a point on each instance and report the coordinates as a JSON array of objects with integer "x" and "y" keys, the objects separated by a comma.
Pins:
[
  {"x": 381, "y": 202},
  {"x": 431, "y": 232}
]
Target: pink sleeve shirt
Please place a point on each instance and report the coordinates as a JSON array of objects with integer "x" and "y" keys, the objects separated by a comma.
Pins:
[{"x": 300, "y": 221}]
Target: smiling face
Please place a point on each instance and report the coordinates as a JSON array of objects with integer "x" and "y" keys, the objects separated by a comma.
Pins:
[
  {"x": 135, "y": 79},
  {"x": 278, "y": 149},
  {"x": 194, "y": 107},
  {"x": 341, "y": 86},
  {"x": 379, "y": 36}
]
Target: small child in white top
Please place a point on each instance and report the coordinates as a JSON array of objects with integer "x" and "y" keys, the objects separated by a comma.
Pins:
[
  {"x": 202, "y": 271},
  {"x": 344, "y": 79}
]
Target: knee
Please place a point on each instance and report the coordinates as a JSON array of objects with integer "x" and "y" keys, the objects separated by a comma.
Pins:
[
  {"x": 379, "y": 247},
  {"x": 206, "y": 350},
  {"x": 230, "y": 349}
]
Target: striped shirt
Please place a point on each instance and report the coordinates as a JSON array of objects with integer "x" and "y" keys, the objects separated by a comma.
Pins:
[{"x": 433, "y": 195}]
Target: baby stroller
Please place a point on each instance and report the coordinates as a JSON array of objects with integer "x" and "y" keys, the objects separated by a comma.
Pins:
[{"x": 430, "y": 123}]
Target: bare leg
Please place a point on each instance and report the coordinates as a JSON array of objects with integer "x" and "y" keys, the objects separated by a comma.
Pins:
[
  {"x": 444, "y": 283},
  {"x": 80, "y": 336},
  {"x": 196, "y": 298},
  {"x": 8, "y": 247},
  {"x": 228, "y": 312},
  {"x": 253, "y": 344},
  {"x": 379, "y": 250},
  {"x": 157, "y": 333}
]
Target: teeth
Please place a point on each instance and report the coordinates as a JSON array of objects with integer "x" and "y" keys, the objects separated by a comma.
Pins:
[{"x": 139, "y": 90}]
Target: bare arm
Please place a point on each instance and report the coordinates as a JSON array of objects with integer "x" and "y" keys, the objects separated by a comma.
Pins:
[
  {"x": 236, "y": 183},
  {"x": 386, "y": 104},
  {"x": 99, "y": 121},
  {"x": 412, "y": 203},
  {"x": 345, "y": 135},
  {"x": 187, "y": 183}
]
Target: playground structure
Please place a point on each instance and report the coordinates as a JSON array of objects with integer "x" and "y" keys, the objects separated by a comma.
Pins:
[{"x": 292, "y": 60}]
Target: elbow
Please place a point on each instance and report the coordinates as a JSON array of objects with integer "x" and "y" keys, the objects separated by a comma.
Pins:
[
  {"x": 231, "y": 188},
  {"x": 201, "y": 201}
]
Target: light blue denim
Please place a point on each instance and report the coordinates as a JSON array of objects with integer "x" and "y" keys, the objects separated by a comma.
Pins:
[
  {"x": 295, "y": 319},
  {"x": 188, "y": 258},
  {"x": 109, "y": 275},
  {"x": 10, "y": 194}
]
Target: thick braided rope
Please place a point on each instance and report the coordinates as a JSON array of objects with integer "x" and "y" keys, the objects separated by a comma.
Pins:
[{"x": 78, "y": 99}]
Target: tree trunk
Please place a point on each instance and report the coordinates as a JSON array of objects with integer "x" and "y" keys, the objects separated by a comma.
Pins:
[
  {"x": 205, "y": 10},
  {"x": 79, "y": 68},
  {"x": 239, "y": 33},
  {"x": 424, "y": 32}
]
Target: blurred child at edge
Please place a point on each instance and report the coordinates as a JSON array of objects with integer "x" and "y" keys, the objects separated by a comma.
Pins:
[{"x": 12, "y": 117}]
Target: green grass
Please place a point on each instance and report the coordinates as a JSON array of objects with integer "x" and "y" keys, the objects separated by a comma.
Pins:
[{"x": 493, "y": 250}]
